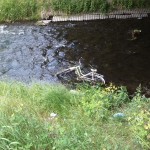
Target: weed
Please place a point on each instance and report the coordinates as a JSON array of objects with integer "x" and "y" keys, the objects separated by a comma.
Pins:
[
  {"x": 14, "y": 10},
  {"x": 84, "y": 117},
  {"x": 80, "y": 6},
  {"x": 129, "y": 4}
]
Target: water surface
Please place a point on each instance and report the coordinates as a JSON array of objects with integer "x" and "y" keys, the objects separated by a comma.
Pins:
[{"x": 29, "y": 52}]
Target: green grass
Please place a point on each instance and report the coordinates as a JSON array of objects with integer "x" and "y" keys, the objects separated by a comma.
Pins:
[
  {"x": 129, "y": 4},
  {"x": 80, "y": 6},
  {"x": 84, "y": 118},
  {"x": 18, "y": 10},
  {"x": 87, "y": 6},
  {"x": 11, "y": 10}
]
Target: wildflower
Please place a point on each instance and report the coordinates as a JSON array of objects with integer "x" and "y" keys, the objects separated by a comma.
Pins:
[
  {"x": 146, "y": 127},
  {"x": 148, "y": 137}
]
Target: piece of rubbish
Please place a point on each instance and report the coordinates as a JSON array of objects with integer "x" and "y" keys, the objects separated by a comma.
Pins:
[
  {"x": 92, "y": 76},
  {"x": 43, "y": 22},
  {"x": 53, "y": 115},
  {"x": 119, "y": 115},
  {"x": 135, "y": 34},
  {"x": 74, "y": 92}
]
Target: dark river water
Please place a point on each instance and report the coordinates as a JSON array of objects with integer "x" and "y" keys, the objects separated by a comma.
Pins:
[{"x": 32, "y": 53}]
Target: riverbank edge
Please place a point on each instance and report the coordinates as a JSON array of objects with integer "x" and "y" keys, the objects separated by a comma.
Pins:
[
  {"x": 47, "y": 111},
  {"x": 61, "y": 17},
  {"x": 118, "y": 14}
]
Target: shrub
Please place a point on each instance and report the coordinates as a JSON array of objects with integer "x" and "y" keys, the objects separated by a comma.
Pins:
[
  {"x": 139, "y": 119},
  {"x": 140, "y": 125},
  {"x": 128, "y": 4},
  {"x": 18, "y": 10},
  {"x": 84, "y": 118},
  {"x": 79, "y": 6},
  {"x": 97, "y": 102}
]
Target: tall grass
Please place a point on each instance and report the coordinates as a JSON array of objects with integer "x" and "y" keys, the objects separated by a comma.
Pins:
[
  {"x": 80, "y": 6},
  {"x": 24, "y": 114},
  {"x": 12, "y": 10},
  {"x": 84, "y": 6},
  {"x": 84, "y": 118},
  {"x": 129, "y": 4}
]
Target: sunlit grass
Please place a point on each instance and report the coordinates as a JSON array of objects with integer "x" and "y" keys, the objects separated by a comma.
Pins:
[
  {"x": 84, "y": 118},
  {"x": 18, "y": 10},
  {"x": 11, "y": 10}
]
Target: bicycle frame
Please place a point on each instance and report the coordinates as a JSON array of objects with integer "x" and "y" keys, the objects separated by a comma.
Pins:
[{"x": 93, "y": 75}]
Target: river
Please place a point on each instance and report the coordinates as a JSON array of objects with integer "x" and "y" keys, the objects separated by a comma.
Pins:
[{"x": 36, "y": 53}]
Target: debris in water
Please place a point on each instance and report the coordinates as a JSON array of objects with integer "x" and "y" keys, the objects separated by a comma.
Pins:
[{"x": 92, "y": 76}]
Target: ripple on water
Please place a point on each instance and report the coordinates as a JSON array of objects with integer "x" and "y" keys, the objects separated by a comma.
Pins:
[{"x": 37, "y": 53}]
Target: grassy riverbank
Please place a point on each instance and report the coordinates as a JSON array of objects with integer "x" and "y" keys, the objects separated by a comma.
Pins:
[
  {"x": 12, "y": 10},
  {"x": 86, "y": 6},
  {"x": 84, "y": 118}
]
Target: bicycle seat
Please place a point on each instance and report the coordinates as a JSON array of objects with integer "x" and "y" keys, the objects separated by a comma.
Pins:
[{"x": 94, "y": 70}]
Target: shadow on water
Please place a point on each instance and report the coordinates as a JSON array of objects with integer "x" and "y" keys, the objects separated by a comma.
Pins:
[
  {"x": 107, "y": 45},
  {"x": 29, "y": 52}
]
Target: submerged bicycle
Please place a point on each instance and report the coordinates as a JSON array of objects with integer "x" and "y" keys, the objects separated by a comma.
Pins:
[{"x": 91, "y": 76}]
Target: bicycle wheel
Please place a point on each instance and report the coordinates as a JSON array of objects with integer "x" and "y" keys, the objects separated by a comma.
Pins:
[
  {"x": 99, "y": 78},
  {"x": 67, "y": 75},
  {"x": 94, "y": 79}
]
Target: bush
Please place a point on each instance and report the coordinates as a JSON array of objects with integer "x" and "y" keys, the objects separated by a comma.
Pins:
[
  {"x": 97, "y": 102},
  {"x": 18, "y": 10},
  {"x": 80, "y": 6},
  {"x": 139, "y": 119},
  {"x": 140, "y": 125},
  {"x": 84, "y": 118},
  {"x": 128, "y": 4}
]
